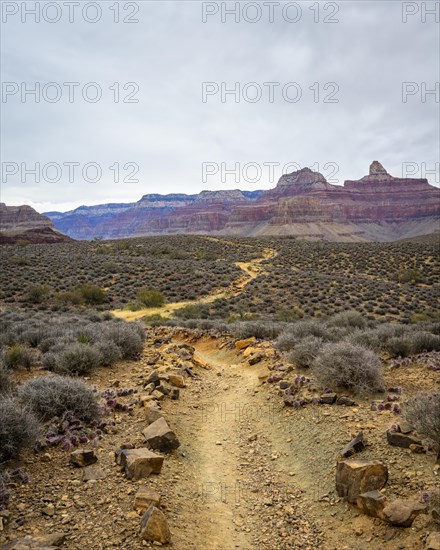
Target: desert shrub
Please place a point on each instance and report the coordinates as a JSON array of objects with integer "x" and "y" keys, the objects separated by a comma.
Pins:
[
  {"x": 348, "y": 319},
  {"x": 151, "y": 298},
  {"x": 18, "y": 356},
  {"x": 398, "y": 346},
  {"x": 51, "y": 396},
  {"x": 36, "y": 293},
  {"x": 296, "y": 332},
  {"x": 18, "y": 428},
  {"x": 346, "y": 366},
  {"x": 5, "y": 380},
  {"x": 128, "y": 338},
  {"x": 366, "y": 338},
  {"x": 193, "y": 311},
  {"x": 77, "y": 359},
  {"x": 109, "y": 353},
  {"x": 421, "y": 341},
  {"x": 135, "y": 306},
  {"x": 423, "y": 412},
  {"x": 263, "y": 330},
  {"x": 92, "y": 294},
  {"x": 304, "y": 353}
]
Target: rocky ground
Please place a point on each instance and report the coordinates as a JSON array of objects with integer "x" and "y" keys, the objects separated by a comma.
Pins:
[{"x": 250, "y": 471}]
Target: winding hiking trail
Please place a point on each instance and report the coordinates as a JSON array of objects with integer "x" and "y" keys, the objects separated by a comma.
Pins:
[{"x": 250, "y": 270}]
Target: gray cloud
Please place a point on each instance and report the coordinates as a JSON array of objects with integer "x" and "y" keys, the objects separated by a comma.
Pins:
[{"x": 170, "y": 133}]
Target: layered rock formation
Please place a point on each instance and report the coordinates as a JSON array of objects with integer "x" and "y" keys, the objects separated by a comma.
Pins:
[
  {"x": 25, "y": 223},
  {"x": 376, "y": 207}
]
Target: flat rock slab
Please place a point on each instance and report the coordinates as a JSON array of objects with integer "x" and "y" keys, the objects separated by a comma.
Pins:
[
  {"x": 372, "y": 503},
  {"x": 402, "y": 513},
  {"x": 354, "y": 477},
  {"x": 145, "y": 498},
  {"x": 243, "y": 344},
  {"x": 398, "y": 439},
  {"x": 139, "y": 463},
  {"x": 160, "y": 436},
  {"x": 154, "y": 526}
]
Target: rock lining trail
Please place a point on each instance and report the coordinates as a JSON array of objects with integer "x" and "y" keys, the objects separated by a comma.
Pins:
[
  {"x": 249, "y": 474},
  {"x": 250, "y": 270}
]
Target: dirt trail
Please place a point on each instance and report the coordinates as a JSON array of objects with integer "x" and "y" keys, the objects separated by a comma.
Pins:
[
  {"x": 242, "y": 498},
  {"x": 250, "y": 270}
]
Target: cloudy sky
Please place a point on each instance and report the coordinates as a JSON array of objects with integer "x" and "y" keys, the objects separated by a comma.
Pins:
[{"x": 335, "y": 103}]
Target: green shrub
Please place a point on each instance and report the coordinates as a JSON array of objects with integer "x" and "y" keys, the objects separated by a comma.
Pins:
[
  {"x": 18, "y": 428},
  {"x": 91, "y": 294},
  {"x": 151, "y": 298},
  {"x": 18, "y": 356},
  {"x": 348, "y": 367},
  {"x": 51, "y": 396},
  {"x": 36, "y": 293}
]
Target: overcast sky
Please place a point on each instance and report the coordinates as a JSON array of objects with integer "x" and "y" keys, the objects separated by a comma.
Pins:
[{"x": 355, "y": 55}]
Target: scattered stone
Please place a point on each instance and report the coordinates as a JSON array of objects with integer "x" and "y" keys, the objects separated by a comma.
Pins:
[
  {"x": 40, "y": 542},
  {"x": 145, "y": 498},
  {"x": 243, "y": 344},
  {"x": 346, "y": 401},
  {"x": 356, "y": 445},
  {"x": 152, "y": 413},
  {"x": 405, "y": 428},
  {"x": 288, "y": 400},
  {"x": 398, "y": 439},
  {"x": 83, "y": 457},
  {"x": 139, "y": 463},
  {"x": 160, "y": 436},
  {"x": 372, "y": 503},
  {"x": 162, "y": 389},
  {"x": 355, "y": 477},
  {"x": 433, "y": 541},
  {"x": 402, "y": 513},
  {"x": 328, "y": 398},
  {"x": 49, "y": 510},
  {"x": 154, "y": 526},
  {"x": 176, "y": 380},
  {"x": 198, "y": 360},
  {"x": 153, "y": 379},
  {"x": 417, "y": 449},
  {"x": 175, "y": 394},
  {"x": 93, "y": 473},
  {"x": 284, "y": 385},
  {"x": 255, "y": 358}
]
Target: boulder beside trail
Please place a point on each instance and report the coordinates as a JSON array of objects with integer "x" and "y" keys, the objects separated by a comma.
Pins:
[{"x": 354, "y": 477}]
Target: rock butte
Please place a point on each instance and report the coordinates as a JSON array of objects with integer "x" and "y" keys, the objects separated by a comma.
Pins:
[{"x": 378, "y": 207}]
